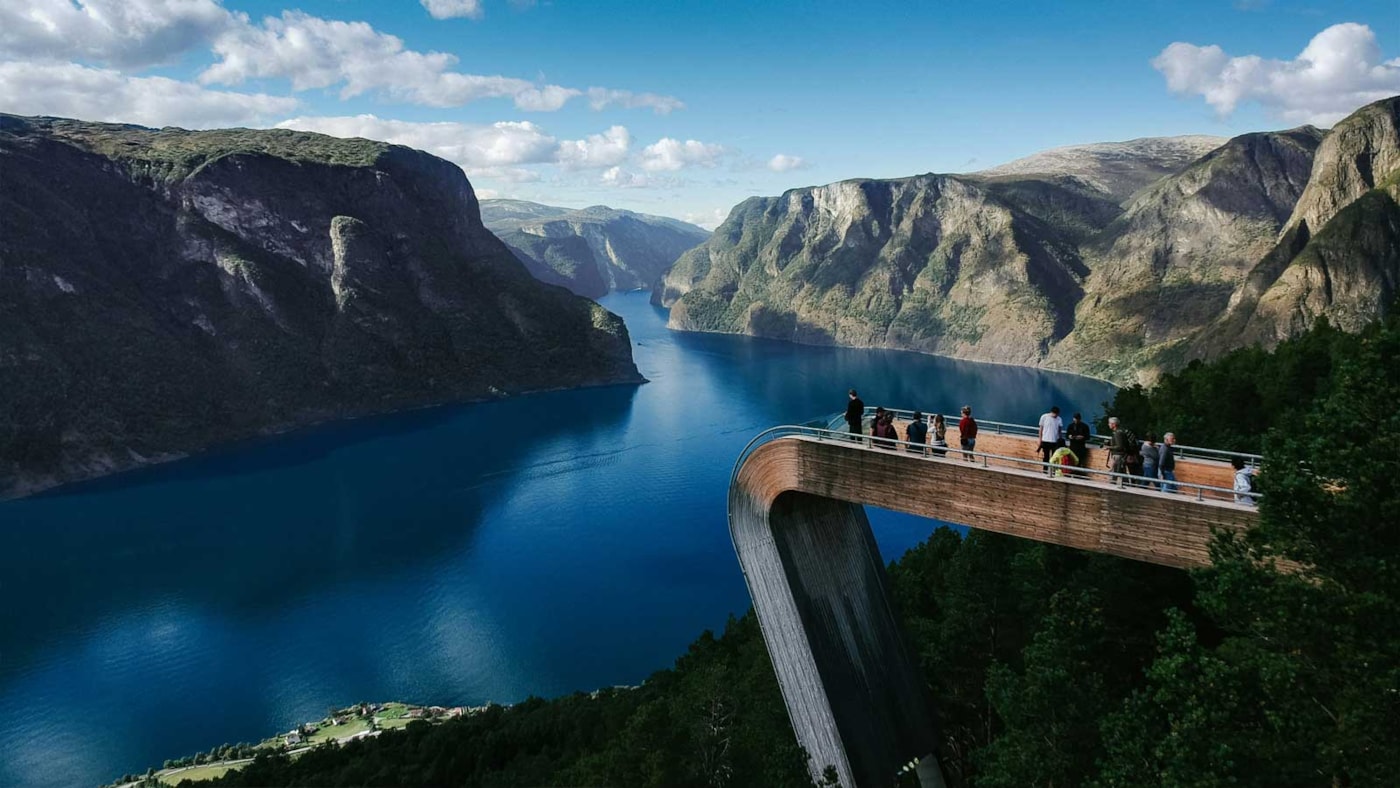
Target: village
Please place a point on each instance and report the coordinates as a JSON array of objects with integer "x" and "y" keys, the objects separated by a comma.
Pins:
[{"x": 337, "y": 727}]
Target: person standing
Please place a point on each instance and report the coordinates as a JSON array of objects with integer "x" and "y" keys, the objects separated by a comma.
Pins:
[
  {"x": 1244, "y": 482},
  {"x": 1151, "y": 455},
  {"x": 1166, "y": 464},
  {"x": 940, "y": 436},
  {"x": 917, "y": 433},
  {"x": 855, "y": 413},
  {"x": 1118, "y": 447},
  {"x": 1051, "y": 434},
  {"x": 967, "y": 433},
  {"x": 1078, "y": 433}
]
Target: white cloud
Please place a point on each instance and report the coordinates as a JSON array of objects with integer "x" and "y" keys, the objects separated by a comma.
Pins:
[
  {"x": 1339, "y": 70},
  {"x": 449, "y": 9},
  {"x": 501, "y": 151},
  {"x": 669, "y": 155},
  {"x": 508, "y": 143},
  {"x": 783, "y": 162},
  {"x": 622, "y": 179},
  {"x": 602, "y": 98},
  {"x": 125, "y": 33},
  {"x": 707, "y": 219},
  {"x": 319, "y": 53},
  {"x": 597, "y": 150},
  {"x": 76, "y": 91}
]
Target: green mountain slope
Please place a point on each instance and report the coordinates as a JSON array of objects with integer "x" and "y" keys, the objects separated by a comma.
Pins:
[{"x": 161, "y": 291}]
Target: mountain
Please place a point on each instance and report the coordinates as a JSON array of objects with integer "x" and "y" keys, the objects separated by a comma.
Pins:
[
  {"x": 165, "y": 290},
  {"x": 593, "y": 250},
  {"x": 1121, "y": 260},
  {"x": 1168, "y": 266},
  {"x": 1339, "y": 254},
  {"x": 935, "y": 263},
  {"x": 1116, "y": 169}
]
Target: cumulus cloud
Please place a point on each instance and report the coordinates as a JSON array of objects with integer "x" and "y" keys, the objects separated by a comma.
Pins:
[
  {"x": 783, "y": 162},
  {"x": 450, "y": 9},
  {"x": 597, "y": 150},
  {"x": 73, "y": 90},
  {"x": 707, "y": 219},
  {"x": 602, "y": 98},
  {"x": 316, "y": 53},
  {"x": 508, "y": 143},
  {"x": 501, "y": 151},
  {"x": 1339, "y": 70},
  {"x": 623, "y": 179},
  {"x": 669, "y": 155},
  {"x": 124, "y": 33}
]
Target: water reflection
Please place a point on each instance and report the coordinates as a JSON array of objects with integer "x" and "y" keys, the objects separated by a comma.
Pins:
[{"x": 537, "y": 545}]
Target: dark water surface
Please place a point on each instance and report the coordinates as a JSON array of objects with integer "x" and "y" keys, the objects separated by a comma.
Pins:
[{"x": 539, "y": 545}]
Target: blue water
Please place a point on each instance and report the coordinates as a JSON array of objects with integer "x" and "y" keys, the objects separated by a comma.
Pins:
[{"x": 538, "y": 545}]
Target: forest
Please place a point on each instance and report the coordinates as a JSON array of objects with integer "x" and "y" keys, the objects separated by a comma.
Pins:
[{"x": 1048, "y": 666}]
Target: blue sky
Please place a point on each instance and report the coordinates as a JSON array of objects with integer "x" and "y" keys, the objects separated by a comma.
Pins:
[{"x": 716, "y": 90}]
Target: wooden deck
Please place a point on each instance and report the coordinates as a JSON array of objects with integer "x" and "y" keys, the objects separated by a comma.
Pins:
[{"x": 817, "y": 579}]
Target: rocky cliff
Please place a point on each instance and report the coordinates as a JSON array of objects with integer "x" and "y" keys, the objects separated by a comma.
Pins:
[
  {"x": 1168, "y": 266},
  {"x": 593, "y": 250},
  {"x": 1098, "y": 259},
  {"x": 161, "y": 291},
  {"x": 934, "y": 263},
  {"x": 1339, "y": 254}
]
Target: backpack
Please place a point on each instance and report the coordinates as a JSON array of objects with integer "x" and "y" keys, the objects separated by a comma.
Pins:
[{"x": 1253, "y": 485}]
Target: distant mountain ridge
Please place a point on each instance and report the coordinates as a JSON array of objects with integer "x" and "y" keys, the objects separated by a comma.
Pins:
[
  {"x": 1119, "y": 260},
  {"x": 165, "y": 290},
  {"x": 590, "y": 251},
  {"x": 1117, "y": 169}
]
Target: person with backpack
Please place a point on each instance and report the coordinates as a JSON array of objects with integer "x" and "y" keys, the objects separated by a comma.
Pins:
[
  {"x": 1245, "y": 491},
  {"x": 882, "y": 429},
  {"x": 1121, "y": 446},
  {"x": 967, "y": 433},
  {"x": 917, "y": 433}
]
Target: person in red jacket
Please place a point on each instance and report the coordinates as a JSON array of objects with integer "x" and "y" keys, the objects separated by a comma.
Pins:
[{"x": 967, "y": 433}]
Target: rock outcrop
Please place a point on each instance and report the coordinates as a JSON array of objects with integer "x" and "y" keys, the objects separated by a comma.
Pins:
[
  {"x": 164, "y": 290},
  {"x": 593, "y": 250}
]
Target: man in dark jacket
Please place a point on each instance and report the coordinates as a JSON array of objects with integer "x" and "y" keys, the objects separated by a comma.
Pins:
[
  {"x": 917, "y": 433},
  {"x": 855, "y": 412},
  {"x": 1078, "y": 433},
  {"x": 1167, "y": 465}
]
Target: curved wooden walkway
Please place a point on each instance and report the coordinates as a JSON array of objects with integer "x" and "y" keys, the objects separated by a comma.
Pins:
[{"x": 856, "y": 698}]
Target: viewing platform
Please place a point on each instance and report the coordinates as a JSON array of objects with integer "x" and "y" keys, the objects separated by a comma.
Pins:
[{"x": 817, "y": 579}]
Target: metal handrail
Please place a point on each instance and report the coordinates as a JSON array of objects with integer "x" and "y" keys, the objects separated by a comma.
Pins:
[
  {"x": 1126, "y": 482},
  {"x": 1007, "y": 428}
]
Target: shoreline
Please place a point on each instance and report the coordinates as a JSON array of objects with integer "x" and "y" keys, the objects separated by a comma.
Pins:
[{"x": 54, "y": 486}]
